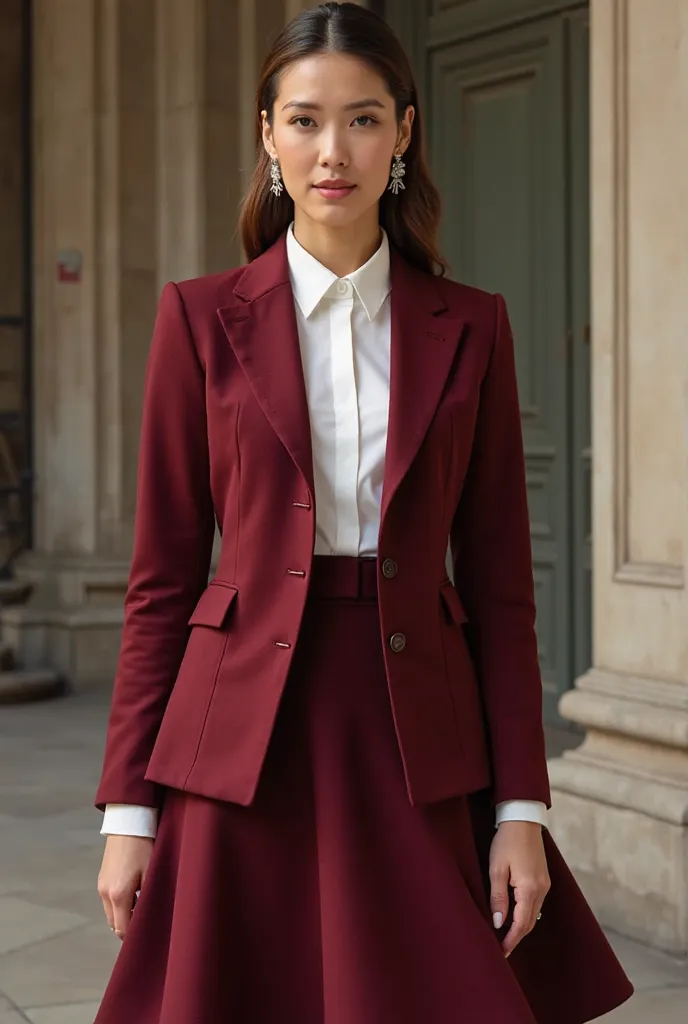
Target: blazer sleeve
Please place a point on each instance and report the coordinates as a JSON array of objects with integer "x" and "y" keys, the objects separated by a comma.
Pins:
[
  {"x": 492, "y": 561},
  {"x": 173, "y": 538}
]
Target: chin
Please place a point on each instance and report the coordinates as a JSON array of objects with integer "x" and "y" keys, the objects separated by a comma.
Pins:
[{"x": 335, "y": 215}]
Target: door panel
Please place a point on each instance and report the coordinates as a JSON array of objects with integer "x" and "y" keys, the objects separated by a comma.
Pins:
[{"x": 498, "y": 153}]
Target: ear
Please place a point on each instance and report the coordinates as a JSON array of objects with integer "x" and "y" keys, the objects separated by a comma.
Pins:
[
  {"x": 267, "y": 135},
  {"x": 405, "y": 128}
]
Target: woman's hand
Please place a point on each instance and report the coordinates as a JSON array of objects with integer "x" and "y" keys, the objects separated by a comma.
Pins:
[
  {"x": 122, "y": 874},
  {"x": 517, "y": 858}
]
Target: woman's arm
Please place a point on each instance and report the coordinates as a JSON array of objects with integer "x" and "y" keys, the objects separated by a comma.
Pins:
[
  {"x": 173, "y": 537},
  {"x": 491, "y": 552}
]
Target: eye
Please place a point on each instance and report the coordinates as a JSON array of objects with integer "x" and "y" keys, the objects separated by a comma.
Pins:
[
  {"x": 301, "y": 117},
  {"x": 365, "y": 117}
]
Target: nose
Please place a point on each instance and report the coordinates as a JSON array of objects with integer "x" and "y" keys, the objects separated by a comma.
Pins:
[{"x": 333, "y": 151}]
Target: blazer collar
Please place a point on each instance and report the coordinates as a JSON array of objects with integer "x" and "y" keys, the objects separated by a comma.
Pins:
[{"x": 425, "y": 335}]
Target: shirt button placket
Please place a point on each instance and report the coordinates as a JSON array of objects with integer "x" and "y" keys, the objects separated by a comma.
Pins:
[{"x": 346, "y": 415}]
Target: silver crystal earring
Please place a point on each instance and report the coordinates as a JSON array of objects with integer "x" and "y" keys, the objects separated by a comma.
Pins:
[
  {"x": 277, "y": 187},
  {"x": 398, "y": 172}
]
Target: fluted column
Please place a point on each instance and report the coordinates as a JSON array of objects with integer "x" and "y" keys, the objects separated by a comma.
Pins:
[
  {"x": 144, "y": 140},
  {"x": 621, "y": 800}
]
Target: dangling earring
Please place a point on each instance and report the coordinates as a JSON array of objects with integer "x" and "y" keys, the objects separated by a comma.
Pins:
[
  {"x": 398, "y": 172},
  {"x": 277, "y": 187}
]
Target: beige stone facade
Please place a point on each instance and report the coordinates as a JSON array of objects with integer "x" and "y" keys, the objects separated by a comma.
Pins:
[
  {"x": 143, "y": 139},
  {"x": 621, "y": 799}
]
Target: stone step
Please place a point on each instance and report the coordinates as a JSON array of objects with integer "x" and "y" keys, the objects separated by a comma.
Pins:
[{"x": 19, "y": 686}]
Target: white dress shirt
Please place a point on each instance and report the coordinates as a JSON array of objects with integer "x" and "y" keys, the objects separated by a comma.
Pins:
[{"x": 344, "y": 327}]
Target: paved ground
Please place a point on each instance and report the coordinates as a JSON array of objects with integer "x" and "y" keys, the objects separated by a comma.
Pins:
[{"x": 56, "y": 951}]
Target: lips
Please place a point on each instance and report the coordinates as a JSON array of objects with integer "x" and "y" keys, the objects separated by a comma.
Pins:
[
  {"x": 334, "y": 183},
  {"x": 335, "y": 188}
]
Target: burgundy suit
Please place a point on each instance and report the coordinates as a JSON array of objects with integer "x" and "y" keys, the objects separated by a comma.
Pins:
[
  {"x": 321, "y": 860},
  {"x": 231, "y": 405}
]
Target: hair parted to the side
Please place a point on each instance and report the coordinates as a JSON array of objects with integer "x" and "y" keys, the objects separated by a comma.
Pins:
[{"x": 410, "y": 218}]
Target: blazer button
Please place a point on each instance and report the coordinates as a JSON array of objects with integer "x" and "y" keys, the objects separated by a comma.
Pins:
[
  {"x": 389, "y": 568},
  {"x": 397, "y": 642}
]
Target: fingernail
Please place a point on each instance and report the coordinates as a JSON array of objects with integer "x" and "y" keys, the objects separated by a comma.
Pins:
[{"x": 498, "y": 919}]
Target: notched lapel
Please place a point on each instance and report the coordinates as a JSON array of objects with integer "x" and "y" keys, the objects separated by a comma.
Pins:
[
  {"x": 426, "y": 334},
  {"x": 261, "y": 328}
]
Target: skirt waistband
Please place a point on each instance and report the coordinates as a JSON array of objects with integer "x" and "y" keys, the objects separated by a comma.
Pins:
[{"x": 335, "y": 576}]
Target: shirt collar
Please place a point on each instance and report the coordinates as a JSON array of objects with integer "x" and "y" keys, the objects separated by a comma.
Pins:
[{"x": 311, "y": 281}]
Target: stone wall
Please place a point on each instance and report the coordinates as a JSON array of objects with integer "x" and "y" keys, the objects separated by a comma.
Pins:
[{"x": 621, "y": 799}]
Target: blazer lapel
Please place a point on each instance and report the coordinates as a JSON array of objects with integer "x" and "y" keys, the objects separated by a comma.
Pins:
[
  {"x": 425, "y": 338},
  {"x": 261, "y": 327}
]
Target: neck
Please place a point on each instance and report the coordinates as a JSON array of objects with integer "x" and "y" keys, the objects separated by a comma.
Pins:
[{"x": 341, "y": 250}]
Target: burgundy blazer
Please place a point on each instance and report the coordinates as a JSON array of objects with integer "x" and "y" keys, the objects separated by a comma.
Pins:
[{"x": 226, "y": 436}]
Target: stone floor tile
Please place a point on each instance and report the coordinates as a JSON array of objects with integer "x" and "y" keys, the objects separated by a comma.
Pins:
[
  {"x": 71, "y": 968},
  {"x": 75, "y": 1013},
  {"x": 23, "y": 923},
  {"x": 13, "y": 881},
  {"x": 652, "y": 1006},
  {"x": 648, "y": 967},
  {"x": 83, "y": 901},
  {"x": 9, "y": 1014}
]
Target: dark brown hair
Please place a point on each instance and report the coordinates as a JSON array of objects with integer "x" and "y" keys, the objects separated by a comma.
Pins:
[{"x": 410, "y": 218}]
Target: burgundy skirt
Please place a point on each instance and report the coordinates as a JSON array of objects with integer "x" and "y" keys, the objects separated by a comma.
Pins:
[{"x": 331, "y": 900}]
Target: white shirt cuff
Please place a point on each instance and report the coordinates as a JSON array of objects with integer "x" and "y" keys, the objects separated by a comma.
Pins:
[
  {"x": 522, "y": 810},
  {"x": 130, "y": 820}
]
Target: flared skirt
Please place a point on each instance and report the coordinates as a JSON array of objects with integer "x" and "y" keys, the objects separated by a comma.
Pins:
[{"x": 331, "y": 899}]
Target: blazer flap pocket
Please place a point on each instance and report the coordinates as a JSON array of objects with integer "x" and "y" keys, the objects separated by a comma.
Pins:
[
  {"x": 452, "y": 603},
  {"x": 213, "y": 605}
]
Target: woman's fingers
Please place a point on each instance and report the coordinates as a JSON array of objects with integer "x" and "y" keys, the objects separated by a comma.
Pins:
[
  {"x": 123, "y": 905},
  {"x": 107, "y": 908},
  {"x": 125, "y": 863},
  {"x": 517, "y": 855},
  {"x": 499, "y": 893},
  {"x": 524, "y": 914}
]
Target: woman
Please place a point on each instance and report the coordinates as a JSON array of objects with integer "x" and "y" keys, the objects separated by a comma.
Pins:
[{"x": 306, "y": 758}]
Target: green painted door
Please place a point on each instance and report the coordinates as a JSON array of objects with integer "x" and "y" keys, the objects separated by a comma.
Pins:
[{"x": 506, "y": 114}]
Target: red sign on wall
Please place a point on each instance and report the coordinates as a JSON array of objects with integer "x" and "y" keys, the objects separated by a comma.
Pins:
[{"x": 69, "y": 262}]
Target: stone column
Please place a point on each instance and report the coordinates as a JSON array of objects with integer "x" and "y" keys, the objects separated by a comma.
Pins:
[
  {"x": 620, "y": 809},
  {"x": 95, "y": 187},
  {"x": 199, "y": 61},
  {"x": 137, "y": 169}
]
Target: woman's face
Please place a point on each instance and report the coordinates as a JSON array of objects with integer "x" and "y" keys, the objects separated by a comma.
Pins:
[{"x": 335, "y": 123}]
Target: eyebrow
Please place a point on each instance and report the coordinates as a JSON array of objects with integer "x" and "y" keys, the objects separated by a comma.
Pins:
[{"x": 356, "y": 105}]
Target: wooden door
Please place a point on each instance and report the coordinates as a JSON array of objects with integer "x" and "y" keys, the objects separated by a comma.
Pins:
[{"x": 506, "y": 111}]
